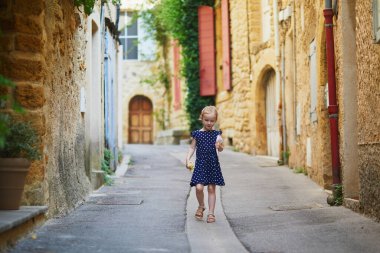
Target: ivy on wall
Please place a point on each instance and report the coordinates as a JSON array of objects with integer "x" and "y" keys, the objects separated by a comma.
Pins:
[
  {"x": 179, "y": 18},
  {"x": 88, "y": 5}
]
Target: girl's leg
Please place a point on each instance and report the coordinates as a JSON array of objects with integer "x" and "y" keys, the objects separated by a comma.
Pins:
[
  {"x": 199, "y": 194},
  {"x": 211, "y": 198},
  {"x": 200, "y": 198}
]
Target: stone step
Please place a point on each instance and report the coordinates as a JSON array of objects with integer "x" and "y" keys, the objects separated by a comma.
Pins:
[{"x": 15, "y": 224}]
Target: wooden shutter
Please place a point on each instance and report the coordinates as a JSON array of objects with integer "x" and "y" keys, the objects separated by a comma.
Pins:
[
  {"x": 226, "y": 45},
  {"x": 176, "y": 77},
  {"x": 206, "y": 51}
]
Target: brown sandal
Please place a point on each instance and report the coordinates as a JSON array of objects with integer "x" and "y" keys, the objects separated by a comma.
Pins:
[
  {"x": 199, "y": 212},
  {"x": 210, "y": 218}
]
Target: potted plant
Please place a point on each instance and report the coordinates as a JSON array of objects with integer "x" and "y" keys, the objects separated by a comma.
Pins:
[{"x": 20, "y": 147}]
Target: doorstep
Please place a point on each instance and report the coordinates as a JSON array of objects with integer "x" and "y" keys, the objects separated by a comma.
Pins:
[{"x": 16, "y": 223}]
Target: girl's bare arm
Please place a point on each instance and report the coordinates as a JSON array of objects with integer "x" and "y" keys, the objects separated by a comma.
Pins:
[
  {"x": 219, "y": 143},
  {"x": 191, "y": 151},
  {"x": 219, "y": 146}
]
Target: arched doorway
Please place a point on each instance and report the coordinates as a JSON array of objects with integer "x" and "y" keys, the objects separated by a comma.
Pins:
[
  {"x": 140, "y": 120},
  {"x": 271, "y": 118}
]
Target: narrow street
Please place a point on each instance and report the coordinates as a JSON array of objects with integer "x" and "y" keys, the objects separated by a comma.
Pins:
[
  {"x": 98, "y": 98},
  {"x": 268, "y": 208}
]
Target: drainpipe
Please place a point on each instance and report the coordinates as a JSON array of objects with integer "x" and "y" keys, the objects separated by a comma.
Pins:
[{"x": 333, "y": 107}]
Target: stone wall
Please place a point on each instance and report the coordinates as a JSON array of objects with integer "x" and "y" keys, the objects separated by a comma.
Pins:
[
  {"x": 176, "y": 125},
  {"x": 308, "y": 27},
  {"x": 368, "y": 57},
  {"x": 233, "y": 106},
  {"x": 346, "y": 79},
  {"x": 177, "y": 117},
  {"x": 43, "y": 53},
  {"x": 242, "y": 111},
  {"x": 133, "y": 82}
]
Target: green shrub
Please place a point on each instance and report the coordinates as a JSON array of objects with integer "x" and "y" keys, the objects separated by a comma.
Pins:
[
  {"x": 21, "y": 140},
  {"x": 299, "y": 170},
  {"x": 338, "y": 194},
  {"x": 5, "y": 84},
  {"x": 17, "y": 138},
  {"x": 105, "y": 166},
  {"x": 119, "y": 156}
]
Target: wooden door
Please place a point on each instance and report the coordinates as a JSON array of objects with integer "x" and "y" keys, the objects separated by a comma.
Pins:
[
  {"x": 140, "y": 120},
  {"x": 273, "y": 135}
]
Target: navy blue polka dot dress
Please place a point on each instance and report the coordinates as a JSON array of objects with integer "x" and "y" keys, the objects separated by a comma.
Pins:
[{"x": 207, "y": 169}]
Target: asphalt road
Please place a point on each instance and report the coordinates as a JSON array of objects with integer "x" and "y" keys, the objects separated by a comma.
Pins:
[
  {"x": 263, "y": 208},
  {"x": 144, "y": 211}
]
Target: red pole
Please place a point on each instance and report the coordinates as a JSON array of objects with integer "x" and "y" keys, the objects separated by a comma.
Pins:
[{"x": 333, "y": 107}]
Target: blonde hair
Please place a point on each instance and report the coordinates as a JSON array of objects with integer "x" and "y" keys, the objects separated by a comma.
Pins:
[{"x": 209, "y": 110}]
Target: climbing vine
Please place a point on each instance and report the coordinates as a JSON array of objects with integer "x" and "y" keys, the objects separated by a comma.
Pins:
[
  {"x": 179, "y": 19},
  {"x": 88, "y": 5}
]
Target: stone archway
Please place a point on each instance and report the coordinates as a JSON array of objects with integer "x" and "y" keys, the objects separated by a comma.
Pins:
[{"x": 140, "y": 120}]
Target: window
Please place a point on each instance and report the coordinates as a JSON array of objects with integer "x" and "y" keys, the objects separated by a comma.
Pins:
[
  {"x": 137, "y": 42},
  {"x": 129, "y": 36},
  {"x": 376, "y": 20}
]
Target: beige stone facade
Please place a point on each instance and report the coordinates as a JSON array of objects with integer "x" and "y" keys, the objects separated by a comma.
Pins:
[
  {"x": 359, "y": 93},
  {"x": 296, "y": 64},
  {"x": 357, "y": 98},
  {"x": 44, "y": 50},
  {"x": 287, "y": 63},
  {"x": 144, "y": 77},
  {"x": 310, "y": 142},
  {"x": 177, "y": 118},
  {"x": 234, "y": 106}
]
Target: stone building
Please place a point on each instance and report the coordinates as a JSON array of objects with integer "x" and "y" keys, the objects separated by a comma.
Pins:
[
  {"x": 276, "y": 102},
  {"x": 269, "y": 109},
  {"x": 151, "y": 106},
  {"x": 250, "y": 111},
  {"x": 304, "y": 75},
  {"x": 357, "y": 52},
  {"x": 279, "y": 97},
  {"x": 54, "y": 54}
]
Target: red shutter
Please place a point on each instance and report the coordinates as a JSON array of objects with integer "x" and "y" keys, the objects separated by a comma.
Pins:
[
  {"x": 206, "y": 51},
  {"x": 226, "y": 45},
  {"x": 176, "y": 81}
]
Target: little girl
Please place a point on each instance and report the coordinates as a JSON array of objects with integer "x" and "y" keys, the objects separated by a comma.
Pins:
[{"x": 207, "y": 172}]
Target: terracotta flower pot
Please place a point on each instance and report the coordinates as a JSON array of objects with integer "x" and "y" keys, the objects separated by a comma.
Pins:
[{"x": 13, "y": 172}]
